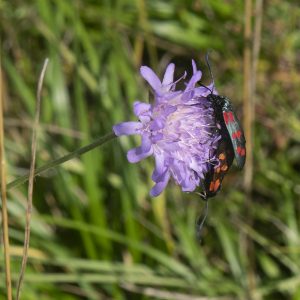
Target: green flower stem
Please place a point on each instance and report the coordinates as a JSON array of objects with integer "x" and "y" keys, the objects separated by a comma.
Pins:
[{"x": 52, "y": 164}]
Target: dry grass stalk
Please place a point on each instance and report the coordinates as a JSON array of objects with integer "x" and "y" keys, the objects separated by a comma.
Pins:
[{"x": 31, "y": 180}]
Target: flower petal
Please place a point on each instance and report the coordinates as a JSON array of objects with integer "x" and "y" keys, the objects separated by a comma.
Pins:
[
  {"x": 146, "y": 143},
  {"x": 157, "y": 137},
  {"x": 158, "y": 123},
  {"x": 169, "y": 76},
  {"x": 204, "y": 91},
  {"x": 194, "y": 66},
  {"x": 170, "y": 96},
  {"x": 160, "y": 167},
  {"x": 212, "y": 87},
  {"x": 127, "y": 128},
  {"x": 151, "y": 78},
  {"x": 195, "y": 78},
  {"x": 160, "y": 186},
  {"x": 140, "y": 108},
  {"x": 190, "y": 185},
  {"x": 137, "y": 154}
]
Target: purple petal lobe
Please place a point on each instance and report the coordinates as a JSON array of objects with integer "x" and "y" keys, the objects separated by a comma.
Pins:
[
  {"x": 160, "y": 186},
  {"x": 170, "y": 109},
  {"x": 194, "y": 66},
  {"x": 146, "y": 143},
  {"x": 140, "y": 108},
  {"x": 127, "y": 128},
  {"x": 151, "y": 78},
  {"x": 169, "y": 76},
  {"x": 157, "y": 124},
  {"x": 202, "y": 91},
  {"x": 195, "y": 78},
  {"x": 160, "y": 168},
  {"x": 157, "y": 137},
  {"x": 137, "y": 154}
]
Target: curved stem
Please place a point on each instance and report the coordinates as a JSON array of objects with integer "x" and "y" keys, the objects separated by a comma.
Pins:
[
  {"x": 31, "y": 179},
  {"x": 100, "y": 141}
]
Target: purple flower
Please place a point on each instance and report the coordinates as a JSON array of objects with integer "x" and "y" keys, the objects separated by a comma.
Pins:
[{"x": 179, "y": 130}]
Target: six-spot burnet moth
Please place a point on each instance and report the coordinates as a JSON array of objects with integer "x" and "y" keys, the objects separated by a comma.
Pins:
[{"x": 231, "y": 145}]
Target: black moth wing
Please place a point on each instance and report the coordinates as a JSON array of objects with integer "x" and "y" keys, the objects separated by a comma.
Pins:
[
  {"x": 235, "y": 132},
  {"x": 213, "y": 179},
  {"x": 232, "y": 145}
]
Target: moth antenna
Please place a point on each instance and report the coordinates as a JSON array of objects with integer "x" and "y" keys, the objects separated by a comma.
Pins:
[
  {"x": 210, "y": 72},
  {"x": 205, "y": 87}
]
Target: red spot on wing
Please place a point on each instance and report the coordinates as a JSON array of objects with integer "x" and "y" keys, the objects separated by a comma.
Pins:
[
  {"x": 230, "y": 116},
  {"x": 217, "y": 185},
  {"x": 219, "y": 172},
  {"x": 211, "y": 186},
  {"x": 224, "y": 168},
  {"x": 237, "y": 134},
  {"x": 241, "y": 151},
  {"x": 222, "y": 156},
  {"x": 225, "y": 116}
]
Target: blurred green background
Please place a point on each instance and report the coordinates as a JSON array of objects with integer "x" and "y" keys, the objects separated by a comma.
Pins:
[{"x": 96, "y": 234}]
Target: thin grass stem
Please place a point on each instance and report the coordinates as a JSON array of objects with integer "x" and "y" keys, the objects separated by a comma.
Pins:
[{"x": 54, "y": 163}]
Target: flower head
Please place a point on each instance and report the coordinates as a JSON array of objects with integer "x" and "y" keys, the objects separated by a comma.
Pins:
[{"x": 178, "y": 129}]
